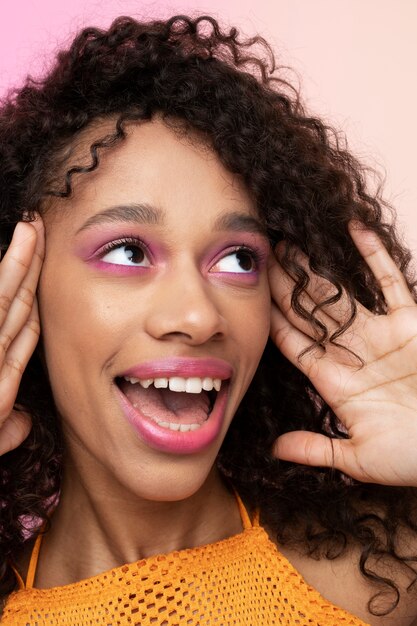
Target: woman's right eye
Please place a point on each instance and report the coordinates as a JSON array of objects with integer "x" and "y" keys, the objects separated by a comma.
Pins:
[{"x": 125, "y": 253}]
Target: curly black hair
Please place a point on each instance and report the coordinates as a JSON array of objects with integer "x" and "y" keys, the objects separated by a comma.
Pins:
[{"x": 307, "y": 187}]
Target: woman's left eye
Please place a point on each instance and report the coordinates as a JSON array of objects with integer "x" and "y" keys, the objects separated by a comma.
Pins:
[
  {"x": 240, "y": 261},
  {"x": 126, "y": 252}
]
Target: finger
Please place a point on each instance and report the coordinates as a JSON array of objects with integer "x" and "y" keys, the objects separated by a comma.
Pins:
[
  {"x": 19, "y": 312},
  {"x": 38, "y": 225},
  {"x": 39, "y": 253},
  {"x": 14, "y": 431},
  {"x": 390, "y": 279},
  {"x": 18, "y": 355},
  {"x": 282, "y": 286},
  {"x": 22, "y": 303},
  {"x": 314, "y": 449},
  {"x": 15, "y": 265},
  {"x": 289, "y": 339}
]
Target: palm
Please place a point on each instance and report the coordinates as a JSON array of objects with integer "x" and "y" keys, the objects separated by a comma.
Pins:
[{"x": 375, "y": 403}]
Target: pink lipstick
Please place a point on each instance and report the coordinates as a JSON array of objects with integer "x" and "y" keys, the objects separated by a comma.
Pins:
[{"x": 179, "y": 366}]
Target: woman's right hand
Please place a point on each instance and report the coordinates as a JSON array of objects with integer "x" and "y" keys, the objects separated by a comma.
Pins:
[{"x": 19, "y": 325}]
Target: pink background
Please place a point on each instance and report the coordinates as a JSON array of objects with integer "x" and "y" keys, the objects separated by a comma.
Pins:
[{"x": 356, "y": 60}]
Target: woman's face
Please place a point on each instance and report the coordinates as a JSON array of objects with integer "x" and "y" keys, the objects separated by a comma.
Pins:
[{"x": 153, "y": 294}]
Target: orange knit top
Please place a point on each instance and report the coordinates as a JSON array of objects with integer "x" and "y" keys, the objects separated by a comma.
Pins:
[{"x": 239, "y": 581}]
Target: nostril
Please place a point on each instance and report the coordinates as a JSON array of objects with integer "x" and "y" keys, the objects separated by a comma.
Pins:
[{"x": 177, "y": 335}]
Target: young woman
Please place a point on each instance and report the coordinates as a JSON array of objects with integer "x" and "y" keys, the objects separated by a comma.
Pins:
[{"x": 175, "y": 449}]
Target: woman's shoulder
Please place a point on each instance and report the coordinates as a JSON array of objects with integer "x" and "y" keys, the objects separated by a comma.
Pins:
[{"x": 340, "y": 581}]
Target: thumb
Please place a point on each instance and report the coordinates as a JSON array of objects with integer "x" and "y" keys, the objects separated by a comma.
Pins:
[
  {"x": 14, "y": 430},
  {"x": 309, "y": 448}
]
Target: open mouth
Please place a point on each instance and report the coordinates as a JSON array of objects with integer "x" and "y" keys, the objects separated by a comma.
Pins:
[{"x": 173, "y": 403}]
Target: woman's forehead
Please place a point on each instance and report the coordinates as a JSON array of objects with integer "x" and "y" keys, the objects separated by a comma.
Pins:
[{"x": 152, "y": 165}]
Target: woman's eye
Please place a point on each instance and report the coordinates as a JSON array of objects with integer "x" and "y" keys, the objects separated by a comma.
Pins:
[
  {"x": 237, "y": 262},
  {"x": 126, "y": 254}
]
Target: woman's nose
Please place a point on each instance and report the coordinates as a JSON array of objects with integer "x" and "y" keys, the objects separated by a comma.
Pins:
[{"x": 185, "y": 309}]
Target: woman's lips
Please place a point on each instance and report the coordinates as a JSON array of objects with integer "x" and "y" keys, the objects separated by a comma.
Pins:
[
  {"x": 183, "y": 367},
  {"x": 164, "y": 437}
]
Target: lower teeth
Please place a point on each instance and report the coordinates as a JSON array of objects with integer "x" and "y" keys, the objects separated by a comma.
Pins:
[{"x": 181, "y": 427}]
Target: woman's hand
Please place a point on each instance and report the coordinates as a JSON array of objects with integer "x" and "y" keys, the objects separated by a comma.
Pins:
[
  {"x": 376, "y": 403},
  {"x": 19, "y": 325}
]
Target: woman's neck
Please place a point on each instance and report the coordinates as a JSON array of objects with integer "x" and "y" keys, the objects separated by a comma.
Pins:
[{"x": 94, "y": 529}]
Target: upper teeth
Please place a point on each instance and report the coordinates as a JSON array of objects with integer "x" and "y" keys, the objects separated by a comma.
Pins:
[{"x": 176, "y": 383}]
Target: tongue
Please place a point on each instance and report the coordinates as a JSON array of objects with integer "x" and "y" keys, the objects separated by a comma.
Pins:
[{"x": 168, "y": 406}]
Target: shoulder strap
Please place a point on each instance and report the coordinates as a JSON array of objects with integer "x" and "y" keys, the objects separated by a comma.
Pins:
[
  {"x": 244, "y": 515},
  {"x": 33, "y": 563}
]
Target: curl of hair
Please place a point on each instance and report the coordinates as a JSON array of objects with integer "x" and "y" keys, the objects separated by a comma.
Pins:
[{"x": 307, "y": 188}]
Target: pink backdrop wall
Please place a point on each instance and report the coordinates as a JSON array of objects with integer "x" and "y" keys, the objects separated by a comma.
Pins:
[{"x": 356, "y": 60}]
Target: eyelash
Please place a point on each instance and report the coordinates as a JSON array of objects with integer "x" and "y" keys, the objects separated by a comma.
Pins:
[
  {"x": 256, "y": 255},
  {"x": 124, "y": 241}
]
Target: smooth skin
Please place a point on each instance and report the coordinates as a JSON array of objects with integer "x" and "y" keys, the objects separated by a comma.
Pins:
[
  {"x": 19, "y": 325},
  {"x": 377, "y": 403}
]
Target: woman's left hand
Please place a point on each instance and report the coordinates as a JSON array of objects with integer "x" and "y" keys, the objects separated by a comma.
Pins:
[{"x": 375, "y": 403}]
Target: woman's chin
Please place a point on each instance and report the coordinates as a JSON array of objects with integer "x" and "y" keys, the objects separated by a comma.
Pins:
[{"x": 163, "y": 480}]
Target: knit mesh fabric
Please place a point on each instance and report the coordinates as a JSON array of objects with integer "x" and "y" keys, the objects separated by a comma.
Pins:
[{"x": 242, "y": 580}]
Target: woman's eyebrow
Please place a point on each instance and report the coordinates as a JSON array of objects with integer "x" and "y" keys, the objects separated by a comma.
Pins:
[
  {"x": 240, "y": 222},
  {"x": 143, "y": 213}
]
